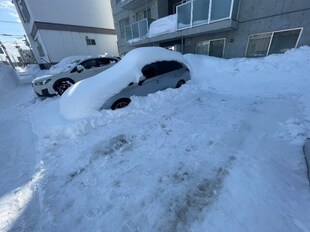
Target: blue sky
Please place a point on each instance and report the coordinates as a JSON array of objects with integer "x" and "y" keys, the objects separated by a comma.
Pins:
[{"x": 9, "y": 24}]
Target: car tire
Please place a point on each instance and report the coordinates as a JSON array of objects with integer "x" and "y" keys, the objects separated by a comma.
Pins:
[
  {"x": 179, "y": 84},
  {"x": 120, "y": 103},
  {"x": 62, "y": 85}
]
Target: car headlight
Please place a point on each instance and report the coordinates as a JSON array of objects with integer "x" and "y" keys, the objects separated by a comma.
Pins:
[{"x": 43, "y": 82}]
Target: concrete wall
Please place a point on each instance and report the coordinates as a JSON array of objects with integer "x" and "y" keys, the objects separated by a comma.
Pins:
[
  {"x": 259, "y": 17},
  {"x": 254, "y": 17},
  {"x": 120, "y": 13}
]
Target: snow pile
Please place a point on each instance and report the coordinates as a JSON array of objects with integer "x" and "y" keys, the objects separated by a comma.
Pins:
[
  {"x": 282, "y": 74},
  {"x": 163, "y": 25},
  {"x": 218, "y": 154},
  {"x": 28, "y": 74},
  {"x": 87, "y": 96},
  {"x": 8, "y": 79}
]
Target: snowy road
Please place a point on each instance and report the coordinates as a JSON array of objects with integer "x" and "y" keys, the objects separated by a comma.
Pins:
[
  {"x": 178, "y": 160},
  {"x": 19, "y": 206}
]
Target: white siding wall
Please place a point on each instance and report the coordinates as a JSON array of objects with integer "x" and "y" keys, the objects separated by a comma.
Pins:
[
  {"x": 92, "y": 13},
  {"x": 60, "y": 44}
]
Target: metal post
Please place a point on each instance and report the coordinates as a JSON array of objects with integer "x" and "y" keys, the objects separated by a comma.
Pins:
[
  {"x": 231, "y": 8},
  {"x": 192, "y": 10},
  {"x": 209, "y": 16}
]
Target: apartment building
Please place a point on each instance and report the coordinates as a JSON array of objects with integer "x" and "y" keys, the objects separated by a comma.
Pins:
[
  {"x": 221, "y": 28},
  {"x": 57, "y": 29}
]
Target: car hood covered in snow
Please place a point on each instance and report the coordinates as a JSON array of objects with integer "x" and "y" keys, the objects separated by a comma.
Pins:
[{"x": 87, "y": 96}]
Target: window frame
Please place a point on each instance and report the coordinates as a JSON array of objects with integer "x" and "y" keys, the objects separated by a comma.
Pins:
[
  {"x": 209, "y": 42},
  {"x": 271, "y": 38},
  {"x": 90, "y": 42},
  {"x": 122, "y": 25},
  {"x": 145, "y": 13}
]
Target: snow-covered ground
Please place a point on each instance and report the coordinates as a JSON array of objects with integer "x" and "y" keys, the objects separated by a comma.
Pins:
[{"x": 222, "y": 153}]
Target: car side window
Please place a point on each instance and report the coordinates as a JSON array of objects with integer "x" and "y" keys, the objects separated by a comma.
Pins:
[
  {"x": 149, "y": 71},
  {"x": 88, "y": 64},
  {"x": 159, "y": 68},
  {"x": 167, "y": 66},
  {"x": 106, "y": 61}
]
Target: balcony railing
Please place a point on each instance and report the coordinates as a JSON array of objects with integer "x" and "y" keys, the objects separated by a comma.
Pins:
[
  {"x": 138, "y": 30},
  {"x": 198, "y": 12}
]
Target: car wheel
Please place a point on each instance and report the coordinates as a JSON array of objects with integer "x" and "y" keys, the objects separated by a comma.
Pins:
[
  {"x": 62, "y": 86},
  {"x": 121, "y": 103},
  {"x": 180, "y": 83}
]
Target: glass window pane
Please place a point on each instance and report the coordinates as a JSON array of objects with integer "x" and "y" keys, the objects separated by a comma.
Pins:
[
  {"x": 220, "y": 9},
  {"x": 143, "y": 27},
  {"x": 135, "y": 30},
  {"x": 200, "y": 11},
  {"x": 184, "y": 15},
  {"x": 202, "y": 48},
  {"x": 258, "y": 45},
  {"x": 217, "y": 48},
  {"x": 282, "y": 41},
  {"x": 128, "y": 32}
]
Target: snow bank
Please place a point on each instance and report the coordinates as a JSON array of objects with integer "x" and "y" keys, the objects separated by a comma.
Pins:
[
  {"x": 163, "y": 25},
  {"x": 28, "y": 74},
  {"x": 8, "y": 79},
  {"x": 281, "y": 74},
  {"x": 87, "y": 96}
]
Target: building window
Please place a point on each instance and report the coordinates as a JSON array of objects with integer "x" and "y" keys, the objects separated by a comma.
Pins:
[
  {"x": 90, "y": 41},
  {"x": 23, "y": 10},
  {"x": 122, "y": 24},
  {"x": 264, "y": 44},
  {"x": 119, "y": 1},
  {"x": 142, "y": 14},
  {"x": 258, "y": 45},
  {"x": 40, "y": 48},
  {"x": 211, "y": 47}
]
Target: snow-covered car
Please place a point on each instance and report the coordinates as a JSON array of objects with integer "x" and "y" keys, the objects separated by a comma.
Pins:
[
  {"x": 79, "y": 68},
  {"x": 140, "y": 72}
]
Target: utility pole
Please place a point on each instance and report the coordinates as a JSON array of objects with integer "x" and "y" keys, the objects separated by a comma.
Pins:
[{"x": 6, "y": 54}]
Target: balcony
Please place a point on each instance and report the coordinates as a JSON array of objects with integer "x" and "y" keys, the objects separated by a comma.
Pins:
[
  {"x": 199, "y": 12},
  {"x": 138, "y": 30}
]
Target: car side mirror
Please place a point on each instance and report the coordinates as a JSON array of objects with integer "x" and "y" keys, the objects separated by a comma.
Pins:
[
  {"x": 80, "y": 68},
  {"x": 141, "y": 80}
]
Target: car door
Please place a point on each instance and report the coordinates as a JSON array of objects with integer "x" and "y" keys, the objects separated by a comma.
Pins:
[
  {"x": 149, "y": 85},
  {"x": 158, "y": 76},
  {"x": 90, "y": 66},
  {"x": 168, "y": 74}
]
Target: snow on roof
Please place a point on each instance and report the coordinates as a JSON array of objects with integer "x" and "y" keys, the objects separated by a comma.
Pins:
[{"x": 87, "y": 96}]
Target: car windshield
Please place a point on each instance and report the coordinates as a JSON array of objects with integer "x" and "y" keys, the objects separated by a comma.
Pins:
[{"x": 66, "y": 64}]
